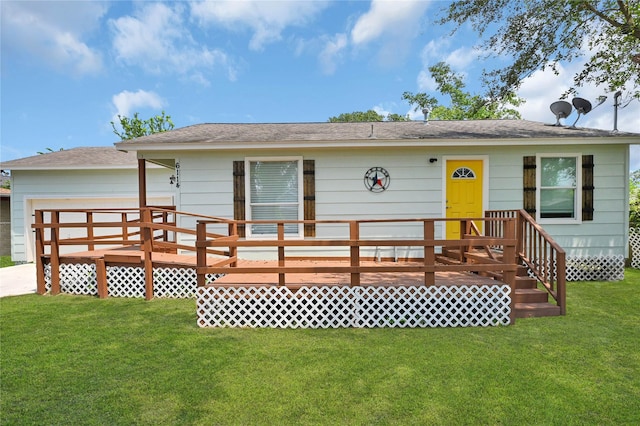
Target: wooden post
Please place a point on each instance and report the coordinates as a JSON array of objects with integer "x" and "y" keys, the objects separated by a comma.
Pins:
[
  {"x": 142, "y": 182},
  {"x": 101, "y": 278},
  {"x": 147, "y": 244},
  {"x": 90, "y": 246},
  {"x": 41, "y": 288},
  {"x": 233, "y": 250},
  {"x": 508, "y": 258},
  {"x": 561, "y": 290},
  {"x": 354, "y": 236},
  {"x": 520, "y": 233},
  {"x": 462, "y": 247},
  {"x": 201, "y": 253},
  {"x": 125, "y": 227},
  {"x": 55, "y": 253},
  {"x": 429, "y": 252},
  {"x": 281, "y": 258}
]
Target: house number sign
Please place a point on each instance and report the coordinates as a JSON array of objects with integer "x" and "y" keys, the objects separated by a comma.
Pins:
[{"x": 377, "y": 179}]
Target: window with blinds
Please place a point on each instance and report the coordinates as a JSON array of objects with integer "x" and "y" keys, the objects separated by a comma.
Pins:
[{"x": 274, "y": 193}]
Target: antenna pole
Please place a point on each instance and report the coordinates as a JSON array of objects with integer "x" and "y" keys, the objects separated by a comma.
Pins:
[{"x": 616, "y": 104}]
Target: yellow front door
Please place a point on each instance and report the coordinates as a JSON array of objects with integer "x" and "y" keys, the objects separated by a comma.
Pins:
[{"x": 464, "y": 193}]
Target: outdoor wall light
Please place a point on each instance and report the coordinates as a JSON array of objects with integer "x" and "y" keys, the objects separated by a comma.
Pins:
[
  {"x": 433, "y": 160},
  {"x": 172, "y": 180}
]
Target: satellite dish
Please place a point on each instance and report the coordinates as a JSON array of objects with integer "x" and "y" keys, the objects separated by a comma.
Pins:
[
  {"x": 561, "y": 109},
  {"x": 583, "y": 107}
]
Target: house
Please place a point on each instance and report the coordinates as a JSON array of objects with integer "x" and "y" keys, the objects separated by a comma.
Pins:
[
  {"x": 573, "y": 181},
  {"x": 78, "y": 178}
]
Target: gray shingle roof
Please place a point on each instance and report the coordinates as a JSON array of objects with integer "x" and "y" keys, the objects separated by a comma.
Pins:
[
  {"x": 434, "y": 130},
  {"x": 75, "y": 158}
]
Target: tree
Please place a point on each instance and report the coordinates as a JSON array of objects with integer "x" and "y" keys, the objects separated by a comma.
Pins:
[
  {"x": 135, "y": 127},
  {"x": 348, "y": 117},
  {"x": 5, "y": 179},
  {"x": 48, "y": 150},
  {"x": 463, "y": 104},
  {"x": 397, "y": 117},
  {"x": 634, "y": 199},
  {"x": 539, "y": 34},
  {"x": 371, "y": 115}
]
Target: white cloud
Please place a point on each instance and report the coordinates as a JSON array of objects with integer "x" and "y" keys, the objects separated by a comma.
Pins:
[
  {"x": 267, "y": 19},
  {"x": 436, "y": 51},
  {"x": 52, "y": 32},
  {"x": 157, "y": 40},
  {"x": 462, "y": 57},
  {"x": 426, "y": 83},
  {"x": 391, "y": 24},
  {"x": 127, "y": 103},
  {"x": 332, "y": 53},
  {"x": 399, "y": 19}
]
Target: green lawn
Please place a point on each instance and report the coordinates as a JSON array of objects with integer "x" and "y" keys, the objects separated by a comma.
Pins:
[
  {"x": 79, "y": 360},
  {"x": 5, "y": 261}
]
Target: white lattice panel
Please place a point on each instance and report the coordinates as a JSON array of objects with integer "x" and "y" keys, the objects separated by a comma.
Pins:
[
  {"x": 434, "y": 306},
  {"x": 634, "y": 242},
  {"x": 592, "y": 268},
  {"x": 47, "y": 277},
  {"x": 176, "y": 282},
  {"x": 341, "y": 306},
  {"x": 125, "y": 281},
  {"x": 595, "y": 268},
  {"x": 78, "y": 278}
]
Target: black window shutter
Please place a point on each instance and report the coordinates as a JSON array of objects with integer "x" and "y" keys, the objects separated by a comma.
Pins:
[
  {"x": 529, "y": 184},
  {"x": 587, "y": 187},
  {"x": 309, "y": 170},
  {"x": 238, "y": 195}
]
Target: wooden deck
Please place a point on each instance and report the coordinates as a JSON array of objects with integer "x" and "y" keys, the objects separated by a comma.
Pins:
[
  {"x": 389, "y": 279},
  {"x": 149, "y": 238}
]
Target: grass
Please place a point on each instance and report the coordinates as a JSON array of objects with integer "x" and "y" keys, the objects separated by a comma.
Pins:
[
  {"x": 6, "y": 261},
  {"x": 79, "y": 360}
]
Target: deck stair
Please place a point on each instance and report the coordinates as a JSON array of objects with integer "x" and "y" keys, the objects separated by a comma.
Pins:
[{"x": 530, "y": 300}]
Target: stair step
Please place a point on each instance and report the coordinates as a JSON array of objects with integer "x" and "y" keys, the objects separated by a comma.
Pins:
[
  {"x": 524, "y": 283},
  {"x": 531, "y": 295},
  {"x": 531, "y": 310}
]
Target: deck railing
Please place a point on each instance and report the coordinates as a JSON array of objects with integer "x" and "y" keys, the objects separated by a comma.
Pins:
[
  {"x": 147, "y": 230},
  {"x": 352, "y": 241},
  {"x": 154, "y": 229},
  {"x": 544, "y": 257}
]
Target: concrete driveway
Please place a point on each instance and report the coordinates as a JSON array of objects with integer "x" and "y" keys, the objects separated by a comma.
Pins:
[{"x": 17, "y": 280}]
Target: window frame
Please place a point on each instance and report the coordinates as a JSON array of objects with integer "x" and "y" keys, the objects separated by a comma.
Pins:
[
  {"x": 577, "y": 201},
  {"x": 248, "y": 204}
]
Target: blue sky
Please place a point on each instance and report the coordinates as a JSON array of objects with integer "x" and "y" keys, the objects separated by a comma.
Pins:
[{"x": 70, "y": 67}]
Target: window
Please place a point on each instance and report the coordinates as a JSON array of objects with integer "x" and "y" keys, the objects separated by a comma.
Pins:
[
  {"x": 463, "y": 173},
  {"x": 559, "y": 194},
  {"x": 274, "y": 188}
]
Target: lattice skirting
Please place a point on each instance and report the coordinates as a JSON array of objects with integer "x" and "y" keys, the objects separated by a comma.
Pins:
[
  {"x": 594, "y": 268},
  {"x": 634, "y": 242},
  {"x": 341, "y": 306},
  {"x": 126, "y": 281}
]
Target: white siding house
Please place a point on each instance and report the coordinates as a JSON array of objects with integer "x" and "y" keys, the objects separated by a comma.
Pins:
[
  {"x": 573, "y": 181},
  {"x": 76, "y": 178}
]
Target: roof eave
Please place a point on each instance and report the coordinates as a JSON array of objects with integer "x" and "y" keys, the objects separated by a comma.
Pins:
[{"x": 373, "y": 142}]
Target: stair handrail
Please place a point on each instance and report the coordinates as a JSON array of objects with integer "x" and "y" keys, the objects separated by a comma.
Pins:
[{"x": 539, "y": 252}]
